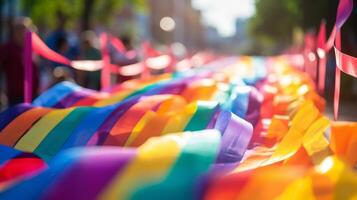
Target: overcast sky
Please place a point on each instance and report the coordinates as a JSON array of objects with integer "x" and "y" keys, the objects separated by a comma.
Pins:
[{"x": 223, "y": 13}]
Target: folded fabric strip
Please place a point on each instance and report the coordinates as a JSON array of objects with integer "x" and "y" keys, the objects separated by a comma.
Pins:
[
  {"x": 15, "y": 164},
  {"x": 11, "y": 113},
  {"x": 116, "y": 173},
  {"x": 46, "y": 132},
  {"x": 55, "y": 94},
  {"x": 7, "y": 153},
  {"x": 332, "y": 178},
  {"x": 245, "y": 124}
]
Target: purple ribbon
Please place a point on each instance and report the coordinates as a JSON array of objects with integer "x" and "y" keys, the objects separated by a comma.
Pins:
[
  {"x": 91, "y": 177},
  {"x": 344, "y": 10},
  {"x": 254, "y": 104},
  {"x": 73, "y": 98},
  {"x": 236, "y": 135}
]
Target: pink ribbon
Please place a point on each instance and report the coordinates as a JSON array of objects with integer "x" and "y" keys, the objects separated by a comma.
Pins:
[
  {"x": 118, "y": 44},
  {"x": 106, "y": 69},
  {"x": 336, "y": 98},
  {"x": 343, "y": 12},
  {"x": 148, "y": 51},
  {"x": 310, "y": 60},
  {"x": 43, "y": 50},
  {"x": 150, "y": 54},
  {"x": 346, "y": 63},
  {"x": 321, "y": 39}
]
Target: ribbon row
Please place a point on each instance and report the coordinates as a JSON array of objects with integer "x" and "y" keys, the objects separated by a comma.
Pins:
[
  {"x": 289, "y": 137},
  {"x": 344, "y": 62},
  {"x": 33, "y": 43}
]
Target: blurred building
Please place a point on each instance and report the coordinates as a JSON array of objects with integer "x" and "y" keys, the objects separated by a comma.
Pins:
[
  {"x": 237, "y": 43},
  {"x": 164, "y": 22},
  {"x": 175, "y": 21},
  {"x": 240, "y": 39},
  {"x": 213, "y": 39}
]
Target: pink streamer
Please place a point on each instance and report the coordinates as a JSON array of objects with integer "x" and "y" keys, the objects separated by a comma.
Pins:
[
  {"x": 336, "y": 102},
  {"x": 43, "y": 50},
  {"x": 321, "y": 39},
  {"x": 118, "y": 44},
  {"x": 343, "y": 12}
]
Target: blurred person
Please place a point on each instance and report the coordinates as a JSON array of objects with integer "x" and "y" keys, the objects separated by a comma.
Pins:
[
  {"x": 124, "y": 58},
  {"x": 121, "y": 58},
  {"x": 11, "y": 63},
  {"x": 62, "y": 45},
  {"x": 60, "y": 34},
  {"x": 90, "y": 51},
  {"x": 65, "y": 43},
  {"x": 47, "y": 67},
  {"x": 127, "y": 41},
  {"x": 60, "y": 74}
]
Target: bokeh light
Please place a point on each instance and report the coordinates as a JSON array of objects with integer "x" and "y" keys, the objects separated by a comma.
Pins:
[{"x": 167, "y": 24}]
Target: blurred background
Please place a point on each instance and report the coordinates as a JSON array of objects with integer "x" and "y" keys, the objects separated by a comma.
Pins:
[{"x": 229, "y": 27}]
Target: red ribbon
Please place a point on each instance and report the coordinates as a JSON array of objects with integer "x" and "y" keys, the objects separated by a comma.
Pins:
[{"x": 149, "y": 51}]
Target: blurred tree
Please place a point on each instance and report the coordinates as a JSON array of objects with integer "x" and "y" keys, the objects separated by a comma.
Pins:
[
  {"x": 7, "y": 14},
  {"x": 86, "y": 14},
  {"x": 2, "y": 2},
  {"x": 275, "y": 21},
  {"x": 43, "y": 12}
]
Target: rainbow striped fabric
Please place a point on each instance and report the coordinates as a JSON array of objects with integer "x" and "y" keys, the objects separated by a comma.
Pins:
[{"x": 236, "y": 128}]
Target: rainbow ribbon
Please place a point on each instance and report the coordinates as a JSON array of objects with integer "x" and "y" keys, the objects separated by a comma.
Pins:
[{"x": 223, "y": 131}]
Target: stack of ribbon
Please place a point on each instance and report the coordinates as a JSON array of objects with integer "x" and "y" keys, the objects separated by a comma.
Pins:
[
  {"x": 187, "y": 135},
  {"x": 233, "y": 128}
]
